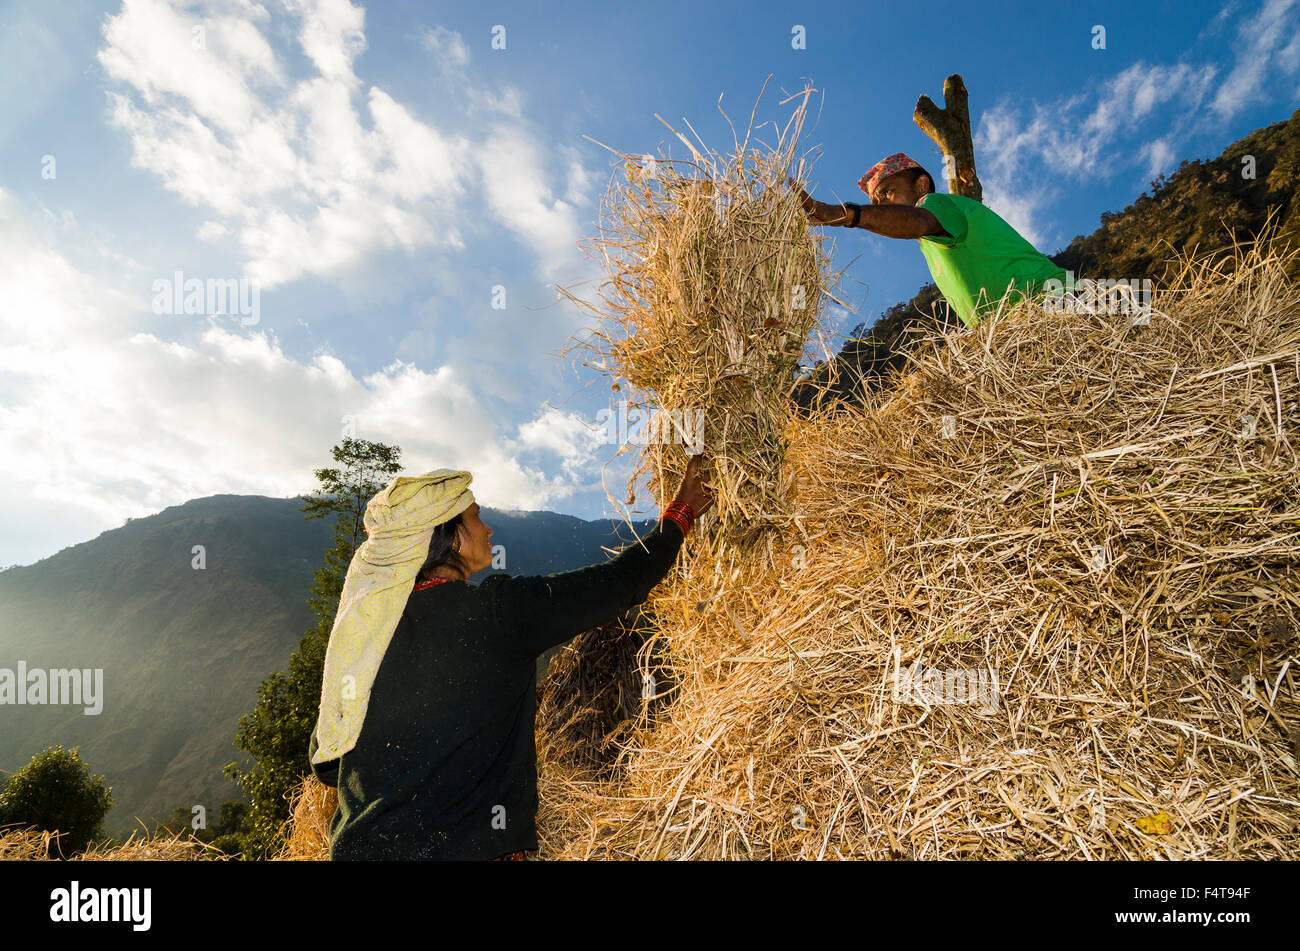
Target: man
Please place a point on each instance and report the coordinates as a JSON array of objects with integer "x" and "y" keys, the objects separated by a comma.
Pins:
[{"x": 974, "y": 256}]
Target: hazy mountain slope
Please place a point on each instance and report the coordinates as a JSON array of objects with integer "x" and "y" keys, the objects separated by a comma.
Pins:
[{"x": 183, "y": 649}]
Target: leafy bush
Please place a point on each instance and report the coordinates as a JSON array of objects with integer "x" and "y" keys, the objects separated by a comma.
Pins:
[{"x": 56, "y": 792}]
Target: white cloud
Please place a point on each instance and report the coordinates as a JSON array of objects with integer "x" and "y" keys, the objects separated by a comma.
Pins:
[
  {"x": 1258, "y": 56},
  {"x": 212, "y": 230},
  {"x": 1021, "y": 207},
  {"x": 110, "y": 420},
  {"x": 300, "y": 169},
  {"x": 1289, "y": 58},
  {"x": 1089, "y": 136},
  {"x": 571, "y": 437},
  {"x": 451, "y": 57},
  {"x": 332, "y": 35},
  {"x": 152, "y": 45},
  {"x": 518, "y": 194},
  {"x": 312, "y": 175},
  {"x": 448, "y": 48},
  {"x": 1159, "y": 155},
  {"x": 580, "y": 179},
  {"x": 510, "y": 102},
  {"x": 1069, "y": 141}
]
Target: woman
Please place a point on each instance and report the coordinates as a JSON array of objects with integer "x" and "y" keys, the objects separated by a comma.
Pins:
[{"x": 430, "y": 740}]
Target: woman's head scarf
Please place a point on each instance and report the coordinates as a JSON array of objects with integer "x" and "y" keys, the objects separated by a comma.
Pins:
[{"x": 399, "y": 523}]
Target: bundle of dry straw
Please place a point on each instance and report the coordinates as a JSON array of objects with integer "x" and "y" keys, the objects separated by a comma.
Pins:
[
  {"x": 714, "y": 283},
  {"x": 1041, "y": 602}
]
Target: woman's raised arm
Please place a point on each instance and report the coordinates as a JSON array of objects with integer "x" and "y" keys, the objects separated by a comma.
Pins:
[{"x": 539, "y": 611}]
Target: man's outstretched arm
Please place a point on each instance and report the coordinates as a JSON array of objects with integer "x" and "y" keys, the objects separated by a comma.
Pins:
[
  {"x": 892, "y": 221},
  {"x": 900, "y": 221}
]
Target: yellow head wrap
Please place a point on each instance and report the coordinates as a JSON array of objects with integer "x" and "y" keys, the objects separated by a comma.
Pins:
[{"x": 399, "y": 523}]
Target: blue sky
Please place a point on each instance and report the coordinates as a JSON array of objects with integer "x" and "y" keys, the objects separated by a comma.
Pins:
[{"x": 374, "y": 173}]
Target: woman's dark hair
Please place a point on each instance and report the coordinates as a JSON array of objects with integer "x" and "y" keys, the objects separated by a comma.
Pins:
[{"x": 442, "y": 550}]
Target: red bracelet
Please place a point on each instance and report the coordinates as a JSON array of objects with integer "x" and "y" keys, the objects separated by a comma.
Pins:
[
  {"x": 681, "y": 522},
  {"x": 684, "y": 508},
  {"x": 681, "y": 513}
]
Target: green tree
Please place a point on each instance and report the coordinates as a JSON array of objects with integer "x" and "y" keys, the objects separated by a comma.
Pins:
[
  {"x": 56, "y": 792},
  {"x": 277, "y": 732},
  {"x": 231, "y": 827},
  {"x": 225, "y": 833},
  {"x": 180, "y": 822}
]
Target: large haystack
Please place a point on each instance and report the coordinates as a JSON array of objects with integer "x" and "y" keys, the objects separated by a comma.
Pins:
[{"x": 1043, "y": 602}]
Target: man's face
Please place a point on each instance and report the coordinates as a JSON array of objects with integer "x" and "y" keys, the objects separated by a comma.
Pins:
[
  {"x": 897, "y": 189},
  {"x": 475, "y": 541}
]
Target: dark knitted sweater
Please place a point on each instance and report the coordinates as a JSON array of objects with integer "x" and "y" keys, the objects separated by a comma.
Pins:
[{"x": 446, "y": 763}]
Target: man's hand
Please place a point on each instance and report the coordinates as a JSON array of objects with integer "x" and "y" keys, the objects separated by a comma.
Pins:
[{"x": 820, "y": 213}]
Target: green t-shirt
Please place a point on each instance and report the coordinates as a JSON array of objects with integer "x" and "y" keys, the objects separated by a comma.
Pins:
[{"x": 983, "y": 258}]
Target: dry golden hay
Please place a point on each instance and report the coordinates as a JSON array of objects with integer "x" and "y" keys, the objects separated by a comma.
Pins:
[
  {"x": 33, "y": 845},
  {"x": 599, "y": 690},
  {"x": 714, "y": 282},
  {"x": 1043, "y": 603},
  {"x": 25, "y": 845},
  {"x": 313, "y": 805}
]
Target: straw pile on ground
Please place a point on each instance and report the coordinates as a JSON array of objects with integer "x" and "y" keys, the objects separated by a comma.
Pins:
[
  {"x": 608, "y": 682},
  {"x": 1041, "y": 602},
  {"x": 34, "y": 845},
  {"x": 311, "y": 809}
]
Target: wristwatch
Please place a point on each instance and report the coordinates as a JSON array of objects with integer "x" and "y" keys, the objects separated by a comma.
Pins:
[{"x": 857, "y": 213}]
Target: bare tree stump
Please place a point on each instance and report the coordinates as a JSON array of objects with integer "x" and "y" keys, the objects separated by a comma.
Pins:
[{"x": 949, "y": 128}]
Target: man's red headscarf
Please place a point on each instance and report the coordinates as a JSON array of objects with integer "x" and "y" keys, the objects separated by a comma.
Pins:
[{"x": 898, "y": 162}]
